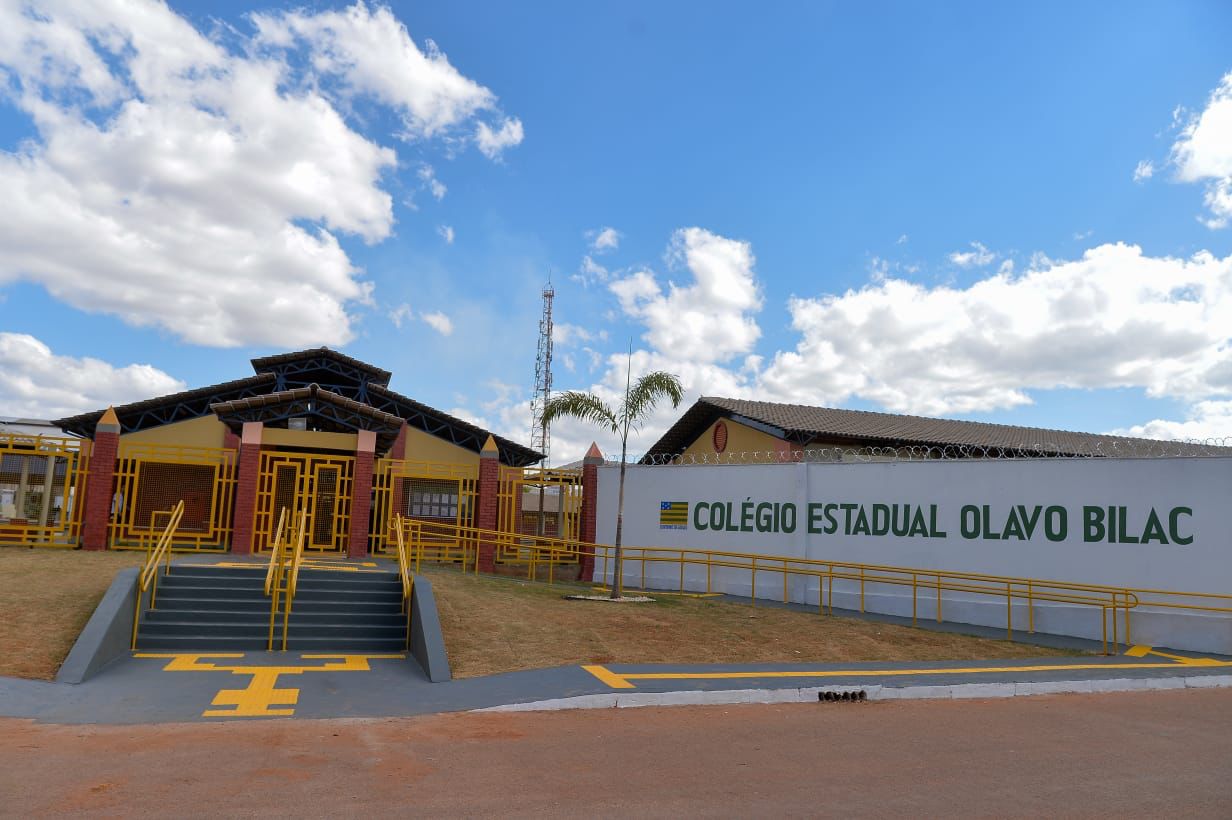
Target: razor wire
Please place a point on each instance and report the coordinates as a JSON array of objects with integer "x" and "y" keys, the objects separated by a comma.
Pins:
[{"x": 1112, "y": 448}]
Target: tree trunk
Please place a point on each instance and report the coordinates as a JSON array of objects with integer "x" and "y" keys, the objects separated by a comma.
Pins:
[{"x": 617, "y": 576}]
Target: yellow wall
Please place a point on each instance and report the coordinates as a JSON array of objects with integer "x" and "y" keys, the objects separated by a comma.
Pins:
[
  {"x": 206, "y": 431},
  {"x": 740, "y": 439},
  {"x": 421, "y": 446},
  {"x": 315, "y": 439}
]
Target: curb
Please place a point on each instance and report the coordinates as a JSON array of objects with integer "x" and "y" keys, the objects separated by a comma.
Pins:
[{"x": 813, "y": 694}]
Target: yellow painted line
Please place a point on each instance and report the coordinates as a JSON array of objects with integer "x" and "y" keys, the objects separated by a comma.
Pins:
[
  {"x": 1139, "y": 651},
  {"x": 261, "y": 697},
  {"x": 608, "y": 677},
  {"x": 620, "y": 680},
  {"x": 1143, "y": 650}
]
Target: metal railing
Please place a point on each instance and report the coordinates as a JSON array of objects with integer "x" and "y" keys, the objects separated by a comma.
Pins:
[
  {"x": 282, "y": 574},
  {"x": 406, "y": 533},
  {"x": 156, "y": 551},
  {"x": 1114, "y": 604}
]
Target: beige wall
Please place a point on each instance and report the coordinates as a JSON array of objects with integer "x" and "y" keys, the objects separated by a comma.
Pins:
[
  {"x": 421, "y": 446},
  {"x": 315, "y": 439},
  {"x": 740, "y": 439},
  {"x": 206, "y": 431}
]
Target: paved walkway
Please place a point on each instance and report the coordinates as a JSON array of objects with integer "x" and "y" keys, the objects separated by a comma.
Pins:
[{"x": 164, "y": 687}]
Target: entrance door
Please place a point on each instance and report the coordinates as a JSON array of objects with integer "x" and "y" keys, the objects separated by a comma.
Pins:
[{"x": 298, "y": 481}]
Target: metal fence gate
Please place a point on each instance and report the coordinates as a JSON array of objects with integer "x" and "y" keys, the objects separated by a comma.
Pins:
[
  {"x": 422, "y": 491},
  {"x": 295, "y": 481},
  {"x": 42, "y": 486},
  {"x": 154, "y": 477},
  {"x": 519, "y": 495}
]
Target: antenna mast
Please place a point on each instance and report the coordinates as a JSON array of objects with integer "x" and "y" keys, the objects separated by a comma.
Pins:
[{"x": 540, "y": 438}]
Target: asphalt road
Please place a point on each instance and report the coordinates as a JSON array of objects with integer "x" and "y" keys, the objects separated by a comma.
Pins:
[{"x": 1135, "y": 754}]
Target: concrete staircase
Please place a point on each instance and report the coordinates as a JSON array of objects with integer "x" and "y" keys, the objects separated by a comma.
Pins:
[{"x": 204, "y": 608}]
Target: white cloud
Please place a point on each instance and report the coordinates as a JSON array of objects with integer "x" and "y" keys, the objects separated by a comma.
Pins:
[
  {"x": 1205, "y": 420},
  {"x": 1114, "y": 318},
  {"x": 604, "y": 239},
  {"x": 439, "y": 322},
  {"x": 1203, "y": 153},
  {"x": 180, "y": 183},
  {"x": 902, "y": 240},
  {"x": 427, "y": 175},
  {"x": 369, "y": 51},
  {"x": 401, "y": 314},
  {"x": 493, "y": 143},
  {"x": 978, "y": 257},
  {"x": 446, "y": 232},
  {"x": 36, "y": 383},
  {"x": 708, "y": 319},
  {"x": 1144, "y": 170}
]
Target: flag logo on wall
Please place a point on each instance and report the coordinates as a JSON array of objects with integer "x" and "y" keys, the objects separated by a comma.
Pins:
[{"x": 673, "y": 515}]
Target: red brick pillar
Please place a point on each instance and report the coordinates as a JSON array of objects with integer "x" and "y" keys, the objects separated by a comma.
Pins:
[
  {"x": 485, "y": 518},
  {"x": 100, "y": 483},
  {"x": 246, "y": 489},
  {"x": 590, "y": 501},
  {"x": 361, "y": 495}
]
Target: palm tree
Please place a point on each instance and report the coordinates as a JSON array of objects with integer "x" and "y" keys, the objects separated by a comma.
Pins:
[{"x": 640, "y": 399}]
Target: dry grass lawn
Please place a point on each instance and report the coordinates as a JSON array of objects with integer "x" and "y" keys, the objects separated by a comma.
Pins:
[
  {"x": 496, "y": 625},
  {"x": 46, "y": 597}
]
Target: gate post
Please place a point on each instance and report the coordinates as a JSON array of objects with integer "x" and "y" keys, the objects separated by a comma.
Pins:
[
  {"x": 590, "y": 501},
  {"x": 100, "y": 483},
  {"x": 485, "y": 518},
  {"x": 246, "y": 488},
  {"x": 361, "y": 494}
]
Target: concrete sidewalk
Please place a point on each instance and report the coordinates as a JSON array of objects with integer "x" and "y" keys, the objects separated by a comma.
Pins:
[{"x": 156, "y": 687}]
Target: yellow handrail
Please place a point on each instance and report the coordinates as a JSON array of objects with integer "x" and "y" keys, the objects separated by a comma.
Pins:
[
  {"x": 297, "y": 558},
  {"x": 403, "y": 527},
  {"x": 276, "y": 550},
  {"x": 534, "y": 551},
  {"x": 157, "y": 551}
]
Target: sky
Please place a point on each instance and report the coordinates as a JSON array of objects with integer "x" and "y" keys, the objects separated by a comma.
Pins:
[{"x": 1018, "y": 214}]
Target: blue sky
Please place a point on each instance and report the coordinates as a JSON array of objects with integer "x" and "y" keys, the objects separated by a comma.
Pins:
[{"x": 1011, "y": 214}]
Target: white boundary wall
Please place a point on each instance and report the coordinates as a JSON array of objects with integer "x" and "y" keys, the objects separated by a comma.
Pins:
[{"x": 1172, "y": 530}]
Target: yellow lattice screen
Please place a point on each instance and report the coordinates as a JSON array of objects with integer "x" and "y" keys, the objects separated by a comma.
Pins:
[
  {"x": 152, "y": 477},
  {"x": 42, "y": 484}
]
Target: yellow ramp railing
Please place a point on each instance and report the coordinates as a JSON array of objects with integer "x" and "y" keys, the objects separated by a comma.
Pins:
[
  {"x": 282, "y": 574},
  {"x": 433, "y": 540},
  {"x": 158, "y": 550}
]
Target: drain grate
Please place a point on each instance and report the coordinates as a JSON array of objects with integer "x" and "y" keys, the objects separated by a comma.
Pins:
[{"x": 842, "y": 697}]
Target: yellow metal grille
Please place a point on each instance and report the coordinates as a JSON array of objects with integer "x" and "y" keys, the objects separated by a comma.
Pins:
[
  {"x": 433, "y": 492},
  {"x": 298, "y": 481},
  {"x": 154, "y": 477},
  {"x": 42, "y": 485},
  {"x": 519, "y": 500}
]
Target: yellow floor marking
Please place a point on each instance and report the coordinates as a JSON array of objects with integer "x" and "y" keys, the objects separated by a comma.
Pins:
[
  {"x": 1139, "y": 651},
  {"x": 1142, "y": 650},
  {"x": 608, "y": 677},
  {"x": 261, "y": 694},
  {"x": 621, "y": 680}
]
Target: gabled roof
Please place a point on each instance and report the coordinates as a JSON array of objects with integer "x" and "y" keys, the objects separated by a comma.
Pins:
[
  {"x": 803, "y": 424},
  {"x": 189, "y": 404},
  {"x": 311, "y": 402},
  {"x": 269, "y": 364},
  {"x": 451, "y": 428}
]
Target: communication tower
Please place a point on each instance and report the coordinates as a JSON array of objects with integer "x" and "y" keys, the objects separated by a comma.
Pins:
[{"x": 540, "y": 437}]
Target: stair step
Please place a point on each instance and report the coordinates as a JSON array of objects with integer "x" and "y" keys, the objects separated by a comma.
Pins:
[
  {"x": 183, "y": 643},
  {"x": 244, "y": 629},
  {"x": 386, "y": 618},
  {"x": 262, "y": 604}
]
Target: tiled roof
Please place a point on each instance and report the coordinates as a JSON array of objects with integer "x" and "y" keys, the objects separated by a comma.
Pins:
[{"x": 804, "y": 423}]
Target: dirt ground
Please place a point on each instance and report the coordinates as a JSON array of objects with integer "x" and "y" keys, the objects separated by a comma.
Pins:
[
  {"x": 1133, "y": 755},
  {"x": 530, "y": 625},
  {"x": 46, "y": 597}
]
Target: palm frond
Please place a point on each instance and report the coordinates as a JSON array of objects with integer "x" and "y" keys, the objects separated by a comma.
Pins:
[
  {"x": 582, "y": 406},
  {"x": 646, "y": 393}
]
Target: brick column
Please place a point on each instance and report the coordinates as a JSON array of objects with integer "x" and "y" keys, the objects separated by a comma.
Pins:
[
  {"x": 100, "y": 483},
  {"x": 485, "y": 517},
  {"x": 246, "y": 488},
  {"x": 590, "y": 502},
  {"x": 361, "y": 495}
]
